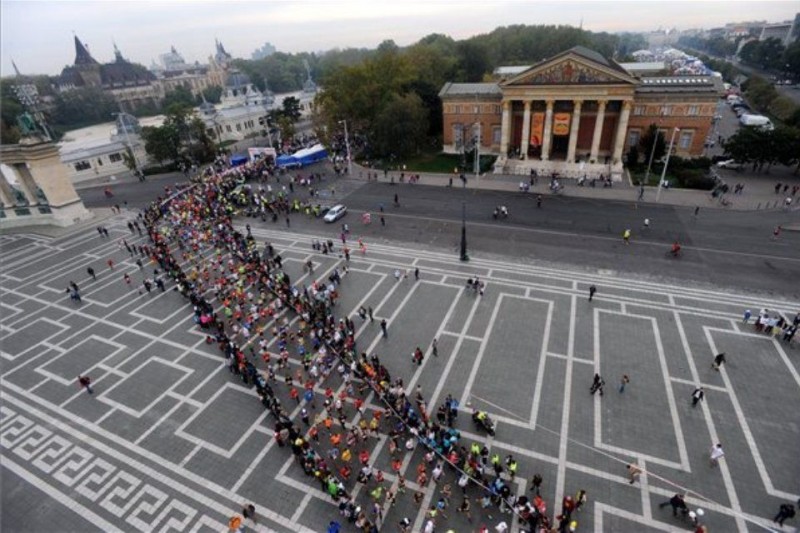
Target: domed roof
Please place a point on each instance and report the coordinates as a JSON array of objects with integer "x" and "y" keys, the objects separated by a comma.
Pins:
[{"x": 238, "y": 79}]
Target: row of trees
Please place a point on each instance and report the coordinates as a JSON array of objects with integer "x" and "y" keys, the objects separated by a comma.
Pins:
[
  {"x": 771, "y": 55},
  {"x": 763, "y": 148}
]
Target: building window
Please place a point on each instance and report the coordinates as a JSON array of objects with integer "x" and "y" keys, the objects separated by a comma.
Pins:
[
  {"x": 633, "y": 137},
  {"x": 692, "y": 111},
  {"x": 457, "y": 109},
  {"x": 82, "y": 165},
  {"x": 666, "y": 110},
  {"x": 458, "y": 135},
  {"x": 638, "y": 110},
  {"x": 685, "y": 141},
  {"x": 497, "y": 133},
  {"x": 238, "y": 127},
  {"x": 228, "y": 128},
  {"x": 115, "y": 157}
]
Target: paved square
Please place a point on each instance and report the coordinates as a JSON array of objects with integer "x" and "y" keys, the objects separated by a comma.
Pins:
[{"x": 172, "y": 440}]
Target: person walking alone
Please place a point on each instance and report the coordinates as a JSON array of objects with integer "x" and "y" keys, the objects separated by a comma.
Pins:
[
  {"x": 86, "y": 382},
  {"x": 697, "y": 395},
  {"x": 90, "y": 271},
  {"x": 716, "y": 454},
  {"x": 597, "y": 385},
  {"x": 622, "y": 382},
  {"x": 383, "y": 328},
  {"x": 718, "y": 360},
  {"x": 592, "y": 290}
]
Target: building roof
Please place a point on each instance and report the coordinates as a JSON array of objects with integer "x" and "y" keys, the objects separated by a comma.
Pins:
[
  {"x": 510, "y": 70},
  {"x": 678, "y": 84},
  {"x": 470, "y": 89},
  {"x": 123, "y": 74},
  {"x": 644, "y": 66},
  {"x": 591, "y": 55},
  {"x": 82, "y": 55}
]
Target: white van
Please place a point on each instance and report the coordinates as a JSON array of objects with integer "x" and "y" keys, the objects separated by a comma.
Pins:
[
  {"x": 733, "y": 98},
  {"x": 756, "y": 121}
]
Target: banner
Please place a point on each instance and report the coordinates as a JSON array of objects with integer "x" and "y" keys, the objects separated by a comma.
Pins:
[
  {"x": 561, "y": 123},
  {"x": 537, "y": 129}
]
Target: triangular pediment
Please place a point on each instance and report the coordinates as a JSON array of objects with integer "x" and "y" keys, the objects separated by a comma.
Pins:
[{"x": 572, "y": 68}]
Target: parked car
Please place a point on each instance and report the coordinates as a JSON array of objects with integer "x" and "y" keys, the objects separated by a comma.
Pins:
[
  {"x": 756, "y": 121},
  {"x": 335, "y": 213},
  {"x": 731, "y": 164}
]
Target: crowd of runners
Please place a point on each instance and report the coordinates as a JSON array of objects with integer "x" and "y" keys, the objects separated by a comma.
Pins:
[{"x": 329, "y": 400}]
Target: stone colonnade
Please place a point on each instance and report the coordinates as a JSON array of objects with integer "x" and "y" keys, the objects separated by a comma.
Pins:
[{"x": 619, "y": 135}]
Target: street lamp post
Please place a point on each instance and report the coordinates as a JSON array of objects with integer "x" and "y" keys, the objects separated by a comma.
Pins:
[
  {"x": 347, "y": 147},
  {"x": 478, "y": 150},
  {"x": 121, "y": 118},
  {"x": 666, "y": 162},
  {"x": 464, "y": 256},
  {"x": 653, "y": 150}
]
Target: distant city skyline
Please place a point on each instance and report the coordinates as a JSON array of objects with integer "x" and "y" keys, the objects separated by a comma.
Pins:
[{"x": 38, "y": 36}]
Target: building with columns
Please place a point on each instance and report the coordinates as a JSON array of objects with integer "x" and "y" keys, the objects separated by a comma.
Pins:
[{"x": 575, "y": 114}]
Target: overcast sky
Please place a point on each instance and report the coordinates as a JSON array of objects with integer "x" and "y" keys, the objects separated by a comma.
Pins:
[{"x": 38, "y": 34}]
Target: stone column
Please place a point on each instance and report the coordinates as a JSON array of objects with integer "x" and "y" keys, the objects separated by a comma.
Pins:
[
  {"x": 598, "y": 130},
  {"x": 622, "y": 131},
  {"x": 505, "y": 128},
  {"x": 548, "y": 130},
  {"x": 526, "y": 130},
  {"x": 573, "y": 131}
]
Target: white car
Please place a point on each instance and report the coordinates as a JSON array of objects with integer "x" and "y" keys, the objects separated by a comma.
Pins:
[
  {"x": 731, "y": 164},
  {"x": 335, "y": 213}
]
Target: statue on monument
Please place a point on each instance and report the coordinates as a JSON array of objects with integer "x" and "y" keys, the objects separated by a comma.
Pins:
[{"x": 29, "y": 128}]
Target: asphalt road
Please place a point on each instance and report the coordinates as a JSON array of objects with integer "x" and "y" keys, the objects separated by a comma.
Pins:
[{"x": 727, "y": 249}]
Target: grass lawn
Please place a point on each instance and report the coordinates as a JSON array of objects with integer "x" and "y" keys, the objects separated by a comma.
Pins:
[{"x": 444, "y": 163}]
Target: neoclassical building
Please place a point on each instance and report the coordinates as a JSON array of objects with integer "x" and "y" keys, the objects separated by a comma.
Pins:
[{"x": 577, "y": 114}]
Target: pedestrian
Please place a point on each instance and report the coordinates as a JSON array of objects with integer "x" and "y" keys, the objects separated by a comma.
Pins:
[
  {"x": 100, "y": 231},
  {"x": 677, "y": 502},
  {"x": 383, "y": 327},
  {"x": 288, "y": 222},
  {"x": 539, "y": 200},
  {"x": 536, "y": 484},
  {"x": 383, "y": 221},
  {"x": 249, "y": 511},
  {"x": 747, "y": 315},
  {"x": 371, "y": 316},
  {"x": 622, "y": 382},
  {"x": 397, "y": 274},
  {"x": 465, "y": 508},
  {"x": 776, "y": 232},
  {"x": 110, "y": 264},
  {"x": 633, "y": 473},
  {"x": 716, "y": 454},
  {"x": 626, "y": 236},
  {"x": 86, "y": 382},
  {"x": 435, "y": 348},
  {"x": 580, "y": 499},
  {"x": 90, "y": 271},
  {"x": 646, "y": 223},
  {"x": 597, "y": 384},
  {"x": 786, "y": 511},
  {"x": 718, "y": 360},
  {"x": 592, "y": 290},
  {"x": 396, "y": 200},
  {"x": 696, "y": 211},
  {"x": 416, "y": 274},
  {"x": 641, "y": 192},
  {"x": 697, "y": 395}
]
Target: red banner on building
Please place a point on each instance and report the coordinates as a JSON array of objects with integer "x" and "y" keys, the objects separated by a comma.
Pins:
[
  {"x": 537, "y": 129},
  {"x": 561, "y": 123}
]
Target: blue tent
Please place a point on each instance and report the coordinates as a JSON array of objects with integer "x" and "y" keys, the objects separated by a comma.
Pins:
[{"x": 238, "y": 159}]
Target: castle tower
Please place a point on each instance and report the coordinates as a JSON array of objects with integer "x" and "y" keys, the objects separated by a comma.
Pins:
[{"x": 86, "y": 65}]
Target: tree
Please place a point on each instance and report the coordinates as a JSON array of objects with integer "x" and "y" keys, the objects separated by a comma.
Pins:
[
  {"x": 652, "y": 135},
  {"x": 180, "y": 95},
  {"x": 161, "y": 142},
  {"x": 791, "y": 61},
  {"x": 632, "y": 159},
  {"x": 83, "y": 107},
  {"x": 401, "y": 126},
  {"x": 213, "y": 94},
  {"x": 291, "y": 108}
]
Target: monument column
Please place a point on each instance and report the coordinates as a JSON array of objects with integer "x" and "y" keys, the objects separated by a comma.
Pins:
[
  {"x": 526, "y": 130},
  {"x": 573, "y": 131},
  {"x": 548, "y": 130},
  {"x": 622, "y": 130},
  {"x": 505, "y": 128},
  {"x": 598, "y": 130}
]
